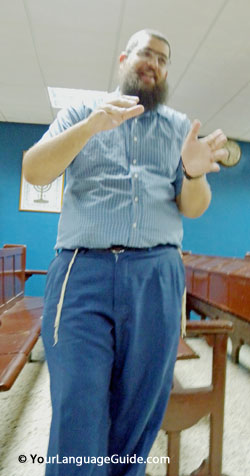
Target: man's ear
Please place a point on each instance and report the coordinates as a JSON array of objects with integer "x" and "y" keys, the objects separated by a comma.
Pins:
[{"x": 123, "y": 57}]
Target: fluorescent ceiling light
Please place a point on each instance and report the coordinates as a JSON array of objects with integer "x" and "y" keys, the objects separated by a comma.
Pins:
[{"x": 64, "y": 97}]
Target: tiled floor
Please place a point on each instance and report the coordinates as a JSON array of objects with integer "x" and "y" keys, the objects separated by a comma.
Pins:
[{"x": 25, "y": 414}]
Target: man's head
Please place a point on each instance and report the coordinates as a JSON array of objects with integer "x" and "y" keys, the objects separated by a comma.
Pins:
[{"x": 144, "y": 68}]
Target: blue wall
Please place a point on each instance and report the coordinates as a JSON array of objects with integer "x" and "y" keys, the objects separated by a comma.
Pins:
[
  {"x": 36, "y": 230},
  {"x": 223, "y": 230}
]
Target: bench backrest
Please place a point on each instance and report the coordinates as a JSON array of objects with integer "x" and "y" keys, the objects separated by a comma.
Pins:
[{"x": 12, "y": 274}]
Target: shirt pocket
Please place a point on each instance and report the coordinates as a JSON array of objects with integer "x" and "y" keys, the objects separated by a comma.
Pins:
[
  {"x": 157, "y": 154},
  {"x": 105, "y": 154}
]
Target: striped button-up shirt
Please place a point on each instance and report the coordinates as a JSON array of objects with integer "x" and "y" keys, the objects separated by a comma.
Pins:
[{"x": 121, "y": 187}]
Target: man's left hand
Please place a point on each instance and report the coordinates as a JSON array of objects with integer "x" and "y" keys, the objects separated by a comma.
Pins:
[{"x": 200, "y": 156}]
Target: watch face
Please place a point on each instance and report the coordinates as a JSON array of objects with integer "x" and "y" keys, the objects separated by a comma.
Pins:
[{"x": 234, "y": 153}]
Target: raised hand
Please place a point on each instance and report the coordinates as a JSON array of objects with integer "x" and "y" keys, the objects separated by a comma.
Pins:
[
  {"x": 200, "y": 156},
  {"x": 114, "y": 112}
]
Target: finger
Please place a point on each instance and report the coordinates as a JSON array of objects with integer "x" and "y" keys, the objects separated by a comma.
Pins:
[
  {"x": 211, "y": 137},
  {"x": 215, "y": 167},
  {"x": 193, "y": 133},
  {"x": 216, "y": 143},
  {"x": 220, "y": 155},
  {"x": 127, "y": 96},
  {"x": 132, "y": 112},
  {"x": 124, "y": 101},
  {"x": 220, "y": 141},
  {"x": 215, "y": 136}
]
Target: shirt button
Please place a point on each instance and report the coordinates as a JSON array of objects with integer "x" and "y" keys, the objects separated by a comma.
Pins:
[
  {"x": 134, "y": 161},
  {"x": 136, "y": 199},
  {"x": 135, "y": 139},
  {"x": 135, "y": 175},
  {"x": 136, "y": 120},
  {"x": 134, "y": 225}
]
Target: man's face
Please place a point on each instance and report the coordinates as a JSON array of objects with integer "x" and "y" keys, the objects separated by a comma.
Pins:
[{"x": 143, "y": 72}]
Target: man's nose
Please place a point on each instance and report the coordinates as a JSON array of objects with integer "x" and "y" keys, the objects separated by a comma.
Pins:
[{"x": 153, "y": 60}]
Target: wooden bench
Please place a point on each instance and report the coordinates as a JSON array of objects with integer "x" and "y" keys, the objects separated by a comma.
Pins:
[
  {"x": 219, "y": 288},
  {"x": 188, "y": 405},
  {"x": 20, "y": 316}
]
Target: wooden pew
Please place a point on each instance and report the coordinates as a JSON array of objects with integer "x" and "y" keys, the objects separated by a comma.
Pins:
[
  {"x": 219, "y": 288},
  {"x": 20, "y": 315}
]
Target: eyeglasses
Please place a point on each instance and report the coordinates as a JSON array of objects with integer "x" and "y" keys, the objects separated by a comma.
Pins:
[{"x": 149, "y": 54}]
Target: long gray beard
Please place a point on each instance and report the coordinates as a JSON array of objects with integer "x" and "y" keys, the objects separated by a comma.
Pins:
[{"x": 149, "y": 98}]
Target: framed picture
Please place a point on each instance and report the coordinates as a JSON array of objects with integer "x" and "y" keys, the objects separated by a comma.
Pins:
[{"x": 41, "y": 198}]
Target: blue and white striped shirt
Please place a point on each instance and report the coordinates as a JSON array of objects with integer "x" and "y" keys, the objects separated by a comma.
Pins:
[{"x": 121, "y": 187}]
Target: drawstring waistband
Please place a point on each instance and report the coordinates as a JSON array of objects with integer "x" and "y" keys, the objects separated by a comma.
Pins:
[{"x": 60, "y": 303}]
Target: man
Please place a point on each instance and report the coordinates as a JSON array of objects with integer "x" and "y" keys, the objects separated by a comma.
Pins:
[{"x": 113, "y": 297}]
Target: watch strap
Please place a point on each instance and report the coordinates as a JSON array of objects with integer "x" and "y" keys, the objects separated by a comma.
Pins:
[{"x": 189, "y": 177}]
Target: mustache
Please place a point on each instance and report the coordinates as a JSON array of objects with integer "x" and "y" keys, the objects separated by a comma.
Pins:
[{"x": 148, "y": 70}]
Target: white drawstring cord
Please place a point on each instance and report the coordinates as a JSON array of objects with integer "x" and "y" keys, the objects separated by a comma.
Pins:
[
  {"x": 184, "y": 313},
  {"x": 183, "y": 306},
  {"x": 60, "y": 303}
]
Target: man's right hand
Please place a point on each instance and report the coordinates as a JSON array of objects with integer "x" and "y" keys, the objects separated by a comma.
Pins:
[
  {"x": 48, "y": 159},
  {"x": 114, "y": 112}
]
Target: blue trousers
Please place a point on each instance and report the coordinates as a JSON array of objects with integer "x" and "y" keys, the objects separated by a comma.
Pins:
[{"x": 111, "y": 365}]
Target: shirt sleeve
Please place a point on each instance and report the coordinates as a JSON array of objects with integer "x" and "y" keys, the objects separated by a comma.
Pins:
[
  {"x": 64, "y": 120},
  {"x": 179, "y": 173},
  {"x": 179, "y": 179}
]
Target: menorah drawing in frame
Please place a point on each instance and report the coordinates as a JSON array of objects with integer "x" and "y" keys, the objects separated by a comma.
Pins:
[{"x": 41, "y": 198}]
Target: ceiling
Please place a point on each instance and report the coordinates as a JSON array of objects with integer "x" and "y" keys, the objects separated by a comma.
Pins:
[{"x": 76, "y": 44}]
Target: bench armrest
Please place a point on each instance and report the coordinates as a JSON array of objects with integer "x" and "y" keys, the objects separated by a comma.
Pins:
[
  {"x": 30, "y": 272},
  {"x": 197, "y": 328}
]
